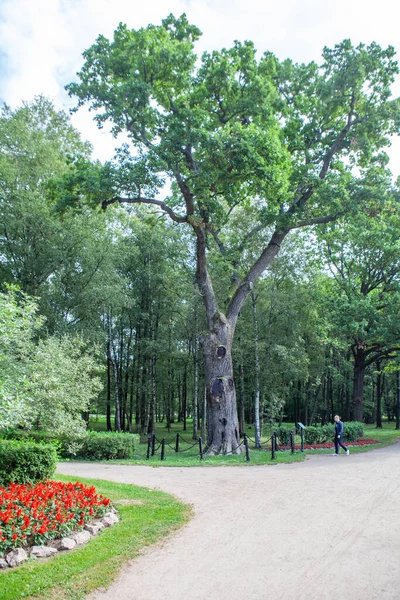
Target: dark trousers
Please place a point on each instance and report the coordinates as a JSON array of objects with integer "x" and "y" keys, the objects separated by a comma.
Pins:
[{"x": 338, "y": 442}]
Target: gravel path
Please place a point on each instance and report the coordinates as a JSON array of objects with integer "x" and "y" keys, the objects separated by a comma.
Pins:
[{"x": 325, "y": 528}]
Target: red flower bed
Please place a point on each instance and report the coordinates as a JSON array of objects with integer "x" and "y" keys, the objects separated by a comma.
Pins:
[
  {"x": 34, "y": 514},
  {"x": 329, "y": 445}
]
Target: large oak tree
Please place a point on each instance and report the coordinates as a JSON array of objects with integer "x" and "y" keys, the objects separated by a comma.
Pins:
[{"x": 230, "y": 131}]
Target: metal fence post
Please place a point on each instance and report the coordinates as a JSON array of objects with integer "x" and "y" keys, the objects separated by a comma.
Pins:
[
  {"x": 292, "y": 442},
  {"x": 163, "y": 449},
  {"x": 246, "y": 445},
  {"x": 273, "y": 446},
  {"x": 148, "y": 447},
  {"x": 177, "y": 443},
  {"x": 153, "y": 443},
  {"x": 302, "y": 440}
]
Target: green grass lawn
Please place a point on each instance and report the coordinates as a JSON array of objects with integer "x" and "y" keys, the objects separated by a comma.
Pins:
[
  {"x": 145, "y": 517},
  {"x": 190, "y": 457}
]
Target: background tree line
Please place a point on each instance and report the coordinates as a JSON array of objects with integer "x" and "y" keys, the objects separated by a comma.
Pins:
[{"x": 319, "y": 329}]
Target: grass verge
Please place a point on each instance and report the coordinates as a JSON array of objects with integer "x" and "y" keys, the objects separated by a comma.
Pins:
[{"x": 145, "y": 517}]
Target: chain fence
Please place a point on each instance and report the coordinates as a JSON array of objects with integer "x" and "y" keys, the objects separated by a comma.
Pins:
[{"x": 276, "y": 445}]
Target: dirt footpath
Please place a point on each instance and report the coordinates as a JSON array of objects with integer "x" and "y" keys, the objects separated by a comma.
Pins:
[{"x": 326, "y": 528}]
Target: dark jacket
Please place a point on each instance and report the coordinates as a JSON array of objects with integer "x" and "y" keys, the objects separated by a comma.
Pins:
[{"x": 339, "y": 428}]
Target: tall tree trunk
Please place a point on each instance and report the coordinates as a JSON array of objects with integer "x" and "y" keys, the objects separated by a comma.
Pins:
[
  {"x": 138, "y": 361},
  {"x": 242, "y": 425},
  {"x": 153, "y": 395},
  {"x": 358, "y": 383},
  {"x": 297, "y": 404},
  {"x": 347, "y": 383},
  {"x": 222, "y": 420},
  {"x": 144, "y": 404},
  {"x": 257, "y": 428},
  {"x": 379, "y": 389},
  {"x": 398, "y": 401},
  {"x": 195, "y": 386},
  {"x": 330, "y": 398},
  {"x": 184, "y": 397},
  {"x": 114, "y": 364},
  {"x": 179, "y": 389},
  {"x": 152, "y": 407},
  {"x": 108, "y": 407},
  {"x": 324, "y": 410},
  {"x": 122, "y": 394},
  {"x": 204, "y": 416},
  {"x": 307, "y": 402}
]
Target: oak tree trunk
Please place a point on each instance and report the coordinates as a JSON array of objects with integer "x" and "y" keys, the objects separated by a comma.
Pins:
[{"x": 222, "y": 421}]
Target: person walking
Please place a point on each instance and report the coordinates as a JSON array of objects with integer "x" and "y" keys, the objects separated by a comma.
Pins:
[{"x": 339, "y": 429}]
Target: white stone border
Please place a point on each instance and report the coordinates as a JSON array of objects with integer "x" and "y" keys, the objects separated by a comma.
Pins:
[{"x": 18, "y": 556}]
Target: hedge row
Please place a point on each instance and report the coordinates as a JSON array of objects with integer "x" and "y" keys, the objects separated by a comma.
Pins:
[
  {"x": 353, "y": 430},
  {"x": 26, "y": 462},
  {"x": 92, "y": 446}
]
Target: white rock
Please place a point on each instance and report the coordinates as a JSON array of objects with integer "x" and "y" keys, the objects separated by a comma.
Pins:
[
  {"x": 92, "y": 529},
  {"x": 111, "y": 516},
  {"x": 109, "y": 520},
  {"x": 66, "y": 543},
  {"x": 82, "y": 537},
  {"x": 42, "y": 551},
  {"x": 3, "y": 564},
  {"x": 98, "y": 524},
  {"x": 16, "y": 557}
]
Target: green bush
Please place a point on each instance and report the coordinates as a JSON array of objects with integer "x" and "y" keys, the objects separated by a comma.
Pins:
[
  {"x": 318, "y": 434},
  {"x": 283, "y": 435},
  {"x": 312, "y": 435},
  {"x": 62, "y": 443},
  {"x": 353, "y": 431},
  {"x": 26, "y": 462},
  {"x": 107, "y": 446},
  {"x": 91, "y": 446}
]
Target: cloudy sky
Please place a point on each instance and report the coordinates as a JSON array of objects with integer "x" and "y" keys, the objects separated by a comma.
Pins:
[{"x": 41, "y": 41}]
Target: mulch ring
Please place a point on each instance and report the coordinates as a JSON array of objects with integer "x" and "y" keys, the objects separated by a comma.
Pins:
[{"x": 328, "y": 445}]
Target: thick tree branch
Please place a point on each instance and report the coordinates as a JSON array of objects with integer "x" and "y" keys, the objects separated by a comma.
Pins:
[
  {"x": 261, "y": 264},
  {"x": 192, "y": 164},
  {"x": 215, "y": 233},
  {"x": 315, "y": 221},
  {"x": 185, "y": 191},
  {"x": 327, "y": 159},
  {"x": 203, "y": 277},
  {"x": 139, "y": 136},
  {"x": 380, "y": 354},
  {"x": 140, "y": 200}
]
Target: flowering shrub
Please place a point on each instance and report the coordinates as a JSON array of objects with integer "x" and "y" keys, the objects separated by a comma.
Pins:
[{"x": 35, "y": 514}]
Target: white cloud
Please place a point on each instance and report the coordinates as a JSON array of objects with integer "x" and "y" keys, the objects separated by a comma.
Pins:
[{"x": 44, "y": 39}]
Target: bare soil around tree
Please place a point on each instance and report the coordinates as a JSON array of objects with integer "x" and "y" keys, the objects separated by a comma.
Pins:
[{"x": 325, "y": 528}]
